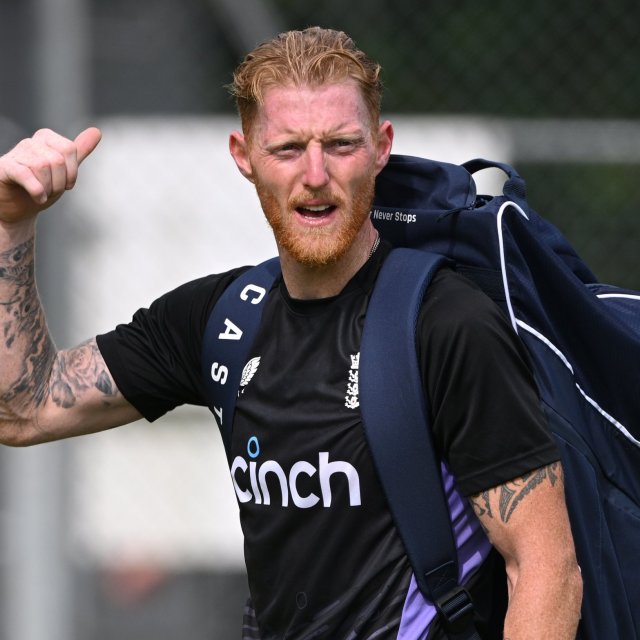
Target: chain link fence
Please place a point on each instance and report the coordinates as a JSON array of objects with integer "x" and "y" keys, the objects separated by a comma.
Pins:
[
  {"x": 569, "y": 65},
  {"x": 552, "y": 89}
]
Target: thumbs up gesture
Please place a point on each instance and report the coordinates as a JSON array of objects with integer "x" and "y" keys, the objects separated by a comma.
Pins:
[{"x": 38, "y": 170}]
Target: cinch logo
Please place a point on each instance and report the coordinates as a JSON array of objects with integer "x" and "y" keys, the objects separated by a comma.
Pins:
[{"x": 250, "y": 479}]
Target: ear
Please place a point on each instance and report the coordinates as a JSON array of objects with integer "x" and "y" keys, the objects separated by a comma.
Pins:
[
  {"x": 384, "y": 144},
  {"x": 239, "y": 149}
]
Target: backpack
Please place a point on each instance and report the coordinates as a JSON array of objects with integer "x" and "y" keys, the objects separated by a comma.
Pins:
[{"x": 583, "y": 339}]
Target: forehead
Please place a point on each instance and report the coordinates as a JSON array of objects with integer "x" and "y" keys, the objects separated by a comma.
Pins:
[{"x": 312, "y": 110}]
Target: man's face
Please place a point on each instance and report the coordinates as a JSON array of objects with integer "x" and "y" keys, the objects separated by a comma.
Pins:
[{"x": 313, "y": 156}]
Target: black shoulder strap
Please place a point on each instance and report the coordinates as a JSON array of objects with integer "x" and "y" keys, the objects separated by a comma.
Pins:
[
  {"x": 395, "y": 417},
  {"x": 229, "y": 334}
]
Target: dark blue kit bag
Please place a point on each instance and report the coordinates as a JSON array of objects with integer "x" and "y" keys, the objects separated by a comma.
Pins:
[{"x": 584, "y": 341}]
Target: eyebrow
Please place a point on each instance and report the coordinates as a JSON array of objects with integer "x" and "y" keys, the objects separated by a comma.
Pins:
[{"x": 291, "y": 137}]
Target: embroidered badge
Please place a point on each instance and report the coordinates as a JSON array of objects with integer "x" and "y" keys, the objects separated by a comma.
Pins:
[
  {"x": 248, "y": 372},
  {"x": 352, "y": 400}
]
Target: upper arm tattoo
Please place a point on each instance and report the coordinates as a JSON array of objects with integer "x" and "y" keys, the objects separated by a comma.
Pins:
[
  {"x": 77, "y": 371},
  {"x": 512, "y": 493}
]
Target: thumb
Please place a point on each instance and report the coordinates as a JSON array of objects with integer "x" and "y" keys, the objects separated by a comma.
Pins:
[{"x": 87, "y": 141}]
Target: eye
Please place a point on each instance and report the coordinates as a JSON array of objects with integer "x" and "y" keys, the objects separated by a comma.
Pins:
[
  {"x": 287, "y": 150},
  {"x": 342, "y": 145}
]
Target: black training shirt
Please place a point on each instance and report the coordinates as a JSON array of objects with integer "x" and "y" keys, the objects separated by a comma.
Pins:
[{"x": 323, "y": 555}]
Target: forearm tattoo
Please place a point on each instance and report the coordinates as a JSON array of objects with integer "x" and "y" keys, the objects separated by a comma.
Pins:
[
  {"x": 24, "y": 326},
  {"x": 39, "y": 373},
  {"x": 512, "y": 493}
]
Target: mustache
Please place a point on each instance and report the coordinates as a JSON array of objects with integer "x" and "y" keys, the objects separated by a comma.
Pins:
[{"x": 307, "y": 197}]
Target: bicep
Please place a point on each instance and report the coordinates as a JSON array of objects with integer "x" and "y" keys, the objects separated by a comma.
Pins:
[
  {"x": 81, "y": 396},
  {"x": 526, "y": 519}
]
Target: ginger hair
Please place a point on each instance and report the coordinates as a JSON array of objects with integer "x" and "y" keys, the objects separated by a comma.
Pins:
[{"x": 312, "y": 57}]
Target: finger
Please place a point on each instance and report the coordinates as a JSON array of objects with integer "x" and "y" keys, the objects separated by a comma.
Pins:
[
  {"x": 86, "y": 142},
  {"x": 61, "y": 153},
  {"x": 59, "y": 173},
  {"x": 24, "y": 177}
]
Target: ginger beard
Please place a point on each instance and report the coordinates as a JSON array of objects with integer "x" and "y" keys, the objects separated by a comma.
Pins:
[{"x": 322, "y": 245}]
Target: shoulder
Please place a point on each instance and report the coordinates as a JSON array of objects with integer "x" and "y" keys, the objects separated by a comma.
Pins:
[
  {"x": 155, "y": 358},
  {"x": 465, "y": 342},
  {"x": 173, "y": 322},
  {"x": 194, "y": 300},
  {"x": 454, "y": 304}
]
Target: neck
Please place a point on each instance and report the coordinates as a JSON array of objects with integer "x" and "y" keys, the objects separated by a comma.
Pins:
[{"x": 311, "y": 283}]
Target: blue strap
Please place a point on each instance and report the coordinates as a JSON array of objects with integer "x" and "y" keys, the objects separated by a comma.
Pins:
[
  {"x": 229, "y": 334},
  {"x": 395, "y": 421},
  {"x": 395, "y": 417}
]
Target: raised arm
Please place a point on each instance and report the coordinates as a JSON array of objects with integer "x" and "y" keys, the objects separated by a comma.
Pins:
[
  {"x": 44, "y": 394},
  {"x": 527, "y": 522}
]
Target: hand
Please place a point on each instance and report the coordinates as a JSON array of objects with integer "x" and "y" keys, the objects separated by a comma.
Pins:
[{"x": 38, "y": 170}]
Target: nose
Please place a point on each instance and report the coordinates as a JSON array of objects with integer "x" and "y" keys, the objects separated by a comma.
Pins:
[{"x": 316, "y": 174}]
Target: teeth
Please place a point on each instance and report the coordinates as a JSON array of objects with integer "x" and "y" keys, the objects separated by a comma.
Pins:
[{"x": 317, "y": 208}]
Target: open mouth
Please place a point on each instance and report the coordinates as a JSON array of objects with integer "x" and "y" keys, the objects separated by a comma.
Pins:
[{"x": 315, "y": 212}]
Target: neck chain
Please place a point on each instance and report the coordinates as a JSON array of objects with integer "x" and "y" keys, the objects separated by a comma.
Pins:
[{"x": 376, "y": 242}]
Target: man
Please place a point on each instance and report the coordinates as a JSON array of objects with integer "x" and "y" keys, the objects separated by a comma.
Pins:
[{"x": 324, "y": 559}]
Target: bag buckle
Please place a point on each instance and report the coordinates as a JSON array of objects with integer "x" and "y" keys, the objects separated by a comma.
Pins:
[{"x": 456, "y": 609}]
